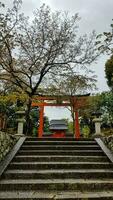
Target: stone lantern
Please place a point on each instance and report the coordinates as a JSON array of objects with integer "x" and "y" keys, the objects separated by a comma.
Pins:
[
  {"x": 21, "y": 120},
  {"x": 97, "y": 120}
]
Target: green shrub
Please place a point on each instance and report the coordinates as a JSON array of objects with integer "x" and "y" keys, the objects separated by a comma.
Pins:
[{"x": 85, "y": 131}]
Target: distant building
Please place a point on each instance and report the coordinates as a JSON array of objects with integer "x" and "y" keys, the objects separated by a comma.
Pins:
[{"x": 58, "y": 128}]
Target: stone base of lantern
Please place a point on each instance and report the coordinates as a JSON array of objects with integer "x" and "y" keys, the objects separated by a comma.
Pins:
[
  {"x": 20, "y": 127},
  {"x": 97, "y": 122}
]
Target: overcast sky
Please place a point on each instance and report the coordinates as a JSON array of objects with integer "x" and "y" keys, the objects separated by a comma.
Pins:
[{"x": 95, "y": 15}]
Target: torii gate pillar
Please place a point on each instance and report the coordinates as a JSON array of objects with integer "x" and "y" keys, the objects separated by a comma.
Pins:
[
  {"x": 77, "y": 127},
  {"x": 41, "y": 124}
]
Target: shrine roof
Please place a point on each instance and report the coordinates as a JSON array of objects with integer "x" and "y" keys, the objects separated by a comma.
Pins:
[
  {"x": 58, "y": 125},
  {"x": 58, "y": 122}
]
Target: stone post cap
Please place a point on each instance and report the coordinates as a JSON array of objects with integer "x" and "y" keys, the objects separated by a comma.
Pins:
[
  {"x": 21, "y": 120},
  {"x": 97, "y": 120},
  {"x": 20, "y": 112}
]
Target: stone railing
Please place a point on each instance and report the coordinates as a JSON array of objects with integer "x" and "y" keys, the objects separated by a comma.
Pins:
[{"x": 7, "y": 141}]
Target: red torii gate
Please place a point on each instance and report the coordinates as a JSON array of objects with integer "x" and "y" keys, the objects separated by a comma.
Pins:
[{"x": 77, "y": 102}]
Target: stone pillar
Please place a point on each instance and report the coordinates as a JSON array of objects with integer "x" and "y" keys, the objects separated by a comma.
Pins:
[
  {"x": 21, "y": 121},
  {"x": 97, "y": 122}
]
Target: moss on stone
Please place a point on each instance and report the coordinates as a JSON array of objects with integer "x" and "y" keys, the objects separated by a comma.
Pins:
[{"x": 7, "y": 141}]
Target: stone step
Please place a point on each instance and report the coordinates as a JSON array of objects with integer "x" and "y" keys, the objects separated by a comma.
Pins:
[
  {"x": 55, "y": 195},
  {"x": 59, "y": 158},
  {"x": 61, "y": 152},
  {"x": 62, "y": 195},
  {"x": 61, "y": 169},
  {"x": 57, "y": 165},
  {"x": 59, "y": 139},
  {"x": 56, "y": 184},
  {"x": 55, "y": 142},
  {"x": 59, "y": 174},
  {"x": 60, "y": 147}
]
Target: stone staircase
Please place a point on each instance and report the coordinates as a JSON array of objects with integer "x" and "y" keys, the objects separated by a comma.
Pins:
[{"x": 58, "y": 169}]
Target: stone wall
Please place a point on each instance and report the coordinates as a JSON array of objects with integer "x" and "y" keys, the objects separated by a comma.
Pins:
[
  {"x": 109, "y": 142},
  {"x": 7, "y": 141}
]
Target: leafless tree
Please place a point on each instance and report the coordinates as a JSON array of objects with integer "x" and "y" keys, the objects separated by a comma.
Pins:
[
  {"x": 72, "y": 85},
  {"x": 31, "y": 50},
  {"x": 105, "y": 41}
]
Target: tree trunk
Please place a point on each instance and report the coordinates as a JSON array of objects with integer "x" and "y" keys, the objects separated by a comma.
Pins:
[{"x": 28, "y": 121}]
